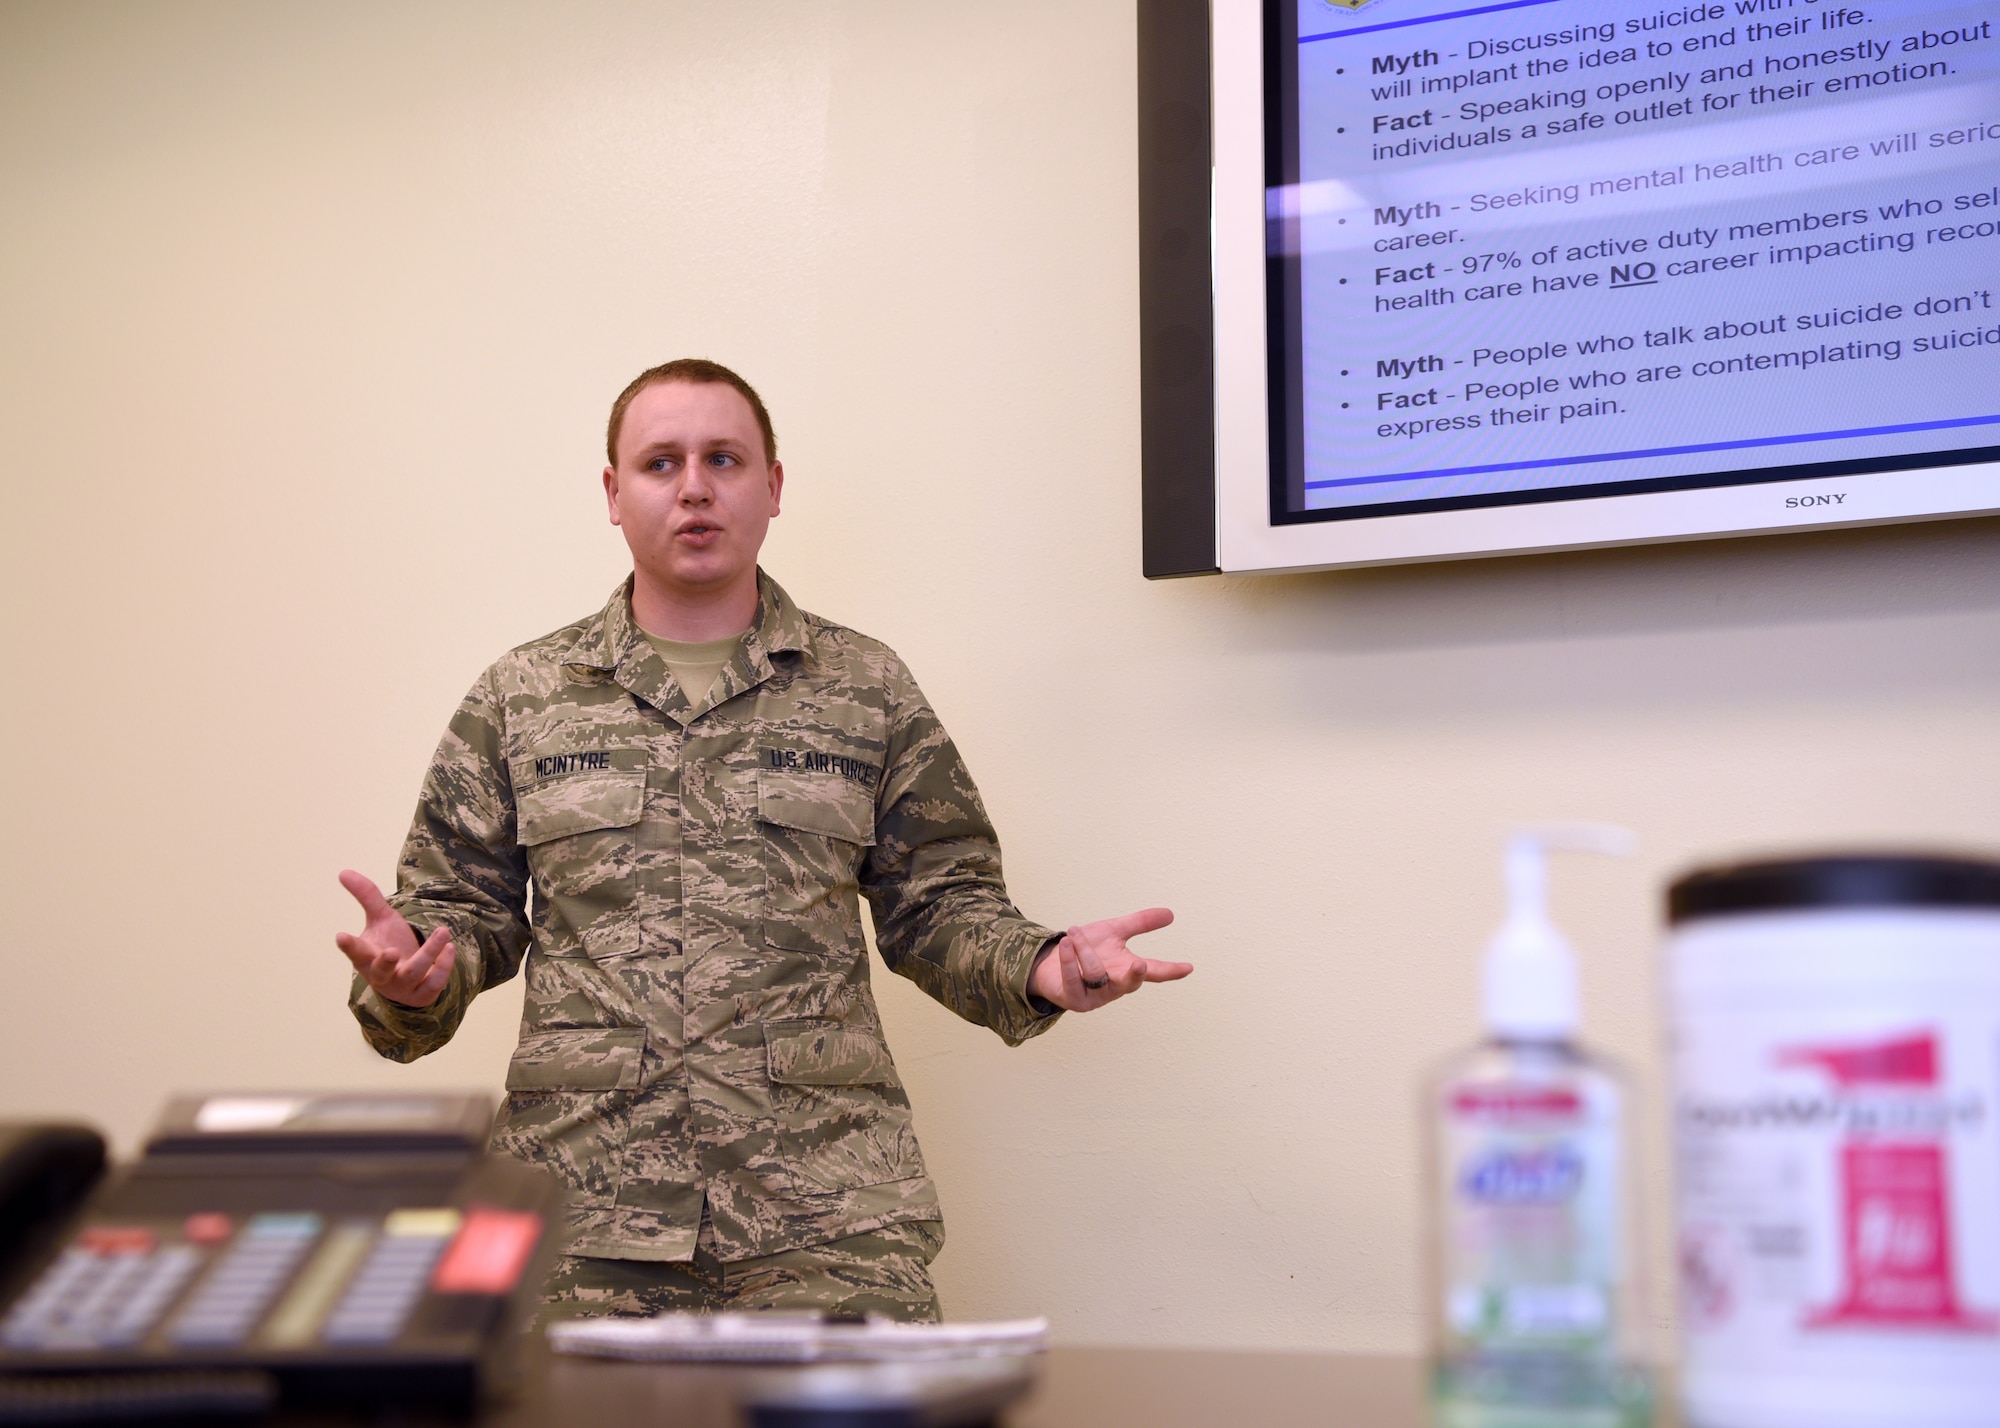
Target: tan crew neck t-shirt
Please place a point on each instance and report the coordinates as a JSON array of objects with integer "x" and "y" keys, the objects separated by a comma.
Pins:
[{"x": 694, "y": 667}]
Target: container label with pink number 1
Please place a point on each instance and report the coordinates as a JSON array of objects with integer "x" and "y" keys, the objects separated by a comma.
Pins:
[{"x": 1838, "y": 1185}]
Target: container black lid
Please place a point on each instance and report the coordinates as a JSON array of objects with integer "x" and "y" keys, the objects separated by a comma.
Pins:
[{"x": 1801, "y": 884}]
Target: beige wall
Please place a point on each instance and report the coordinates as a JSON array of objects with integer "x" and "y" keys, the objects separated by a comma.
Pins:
[{"x": 309, "y": 315}]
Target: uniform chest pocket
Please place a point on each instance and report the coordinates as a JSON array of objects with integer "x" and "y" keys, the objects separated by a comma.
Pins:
[
  {"x": 578, "y": 814},
  {"x": 814, "y": 829}
]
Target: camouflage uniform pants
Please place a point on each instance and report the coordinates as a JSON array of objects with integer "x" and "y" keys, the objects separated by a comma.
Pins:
[{"x": 882, "y": 1272}]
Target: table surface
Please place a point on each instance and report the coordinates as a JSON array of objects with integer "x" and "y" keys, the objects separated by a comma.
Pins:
[{"x": 1161, "y": 1388}]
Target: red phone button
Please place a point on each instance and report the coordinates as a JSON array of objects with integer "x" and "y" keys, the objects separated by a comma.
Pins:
[
  {"x": 491, "y": 1250},
  {"x": 117, "y": 1239},
  {"x": 207, "y": 1228}
]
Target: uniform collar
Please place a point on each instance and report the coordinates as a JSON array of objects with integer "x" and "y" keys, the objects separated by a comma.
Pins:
[{"x": 611, "y": 642}]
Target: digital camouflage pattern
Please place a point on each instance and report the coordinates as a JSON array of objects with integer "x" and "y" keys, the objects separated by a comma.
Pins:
[
  {"x": 698, "y": 1019},
  {"x": 882, "y": 1272}
]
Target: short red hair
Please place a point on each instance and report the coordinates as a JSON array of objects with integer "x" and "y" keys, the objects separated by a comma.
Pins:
[{"x": 688, "y": 369}]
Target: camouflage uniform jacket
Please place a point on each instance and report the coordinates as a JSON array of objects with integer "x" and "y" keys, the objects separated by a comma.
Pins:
[{"x": 698, "y": 1018}]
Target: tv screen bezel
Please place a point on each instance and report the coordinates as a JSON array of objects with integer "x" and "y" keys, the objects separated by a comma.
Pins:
[{"x": 1253, "y": 528}]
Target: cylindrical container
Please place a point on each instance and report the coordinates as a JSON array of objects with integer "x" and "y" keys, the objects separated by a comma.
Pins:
[{"x": 1836, "y": 1047}]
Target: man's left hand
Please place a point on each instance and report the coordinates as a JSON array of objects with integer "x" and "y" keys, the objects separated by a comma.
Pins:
[{"x": 1092, "y": 965}]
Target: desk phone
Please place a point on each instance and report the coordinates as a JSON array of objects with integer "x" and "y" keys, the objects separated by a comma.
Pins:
[{"x": 352, "y": 1249}]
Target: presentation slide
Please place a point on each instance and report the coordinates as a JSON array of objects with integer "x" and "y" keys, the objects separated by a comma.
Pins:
[{"x": 1559, "y": 248}]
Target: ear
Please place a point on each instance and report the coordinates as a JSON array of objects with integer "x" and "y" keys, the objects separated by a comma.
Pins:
[
  {"x": 611, "y": 492},
  {"x": 777, "y": 484}
]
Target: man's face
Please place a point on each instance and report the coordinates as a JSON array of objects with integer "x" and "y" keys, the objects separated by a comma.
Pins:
[{"x": 692, "y": 491}]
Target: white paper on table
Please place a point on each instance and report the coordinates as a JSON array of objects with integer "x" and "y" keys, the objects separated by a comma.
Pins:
[{"x": 792, "y": 1339}]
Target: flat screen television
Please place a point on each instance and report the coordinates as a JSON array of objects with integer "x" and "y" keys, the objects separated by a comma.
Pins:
[{"x": 1429, "y": 279}]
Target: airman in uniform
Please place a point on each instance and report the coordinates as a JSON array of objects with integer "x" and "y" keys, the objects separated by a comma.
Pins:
[{"x": 668, "y": 811}]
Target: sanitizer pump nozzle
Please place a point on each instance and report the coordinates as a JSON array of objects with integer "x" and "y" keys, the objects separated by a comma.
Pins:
[{"x": 1530, "y": 969}]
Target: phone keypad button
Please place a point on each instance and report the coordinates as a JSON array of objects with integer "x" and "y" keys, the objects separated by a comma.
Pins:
[
  {"x": 99, "y": 1295},
  {"x": 228, "y": 1303},
  {"x": 388, "y": 1287}
]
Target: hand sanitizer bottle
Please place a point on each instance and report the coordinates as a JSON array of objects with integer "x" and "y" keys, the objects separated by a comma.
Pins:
[{"x": 1535, "y": 1299}]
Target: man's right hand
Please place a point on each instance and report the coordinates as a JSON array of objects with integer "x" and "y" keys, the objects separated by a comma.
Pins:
[{"x": 386, "y": 954}]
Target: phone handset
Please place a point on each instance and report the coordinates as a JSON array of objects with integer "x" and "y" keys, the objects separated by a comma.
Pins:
[{"x": 46, "y": 1171}]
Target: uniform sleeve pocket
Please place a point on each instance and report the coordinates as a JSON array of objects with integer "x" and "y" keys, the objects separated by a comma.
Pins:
[
  {"x": 833, "y": 809},
  {"x": 590, "y": 1058},
  {"x": 821, "y": 1053},
  {"x": 575, "y": 800}
]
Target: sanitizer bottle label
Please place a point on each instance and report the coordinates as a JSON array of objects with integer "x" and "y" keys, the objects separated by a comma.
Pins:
[{"x": 1531, "y": 1180}]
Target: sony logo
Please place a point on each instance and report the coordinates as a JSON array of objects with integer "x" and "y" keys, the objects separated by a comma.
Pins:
[{"x": 1796, "y": 502}]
